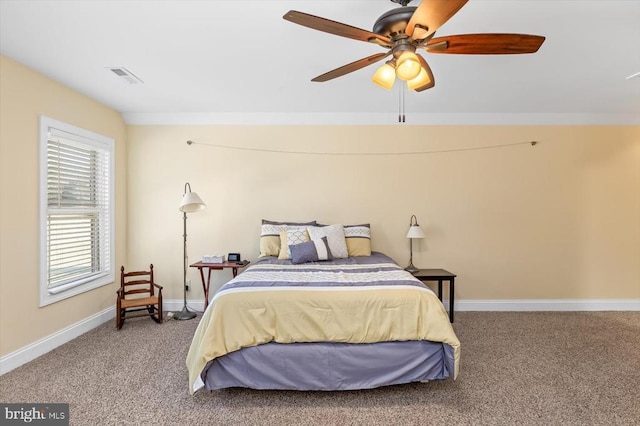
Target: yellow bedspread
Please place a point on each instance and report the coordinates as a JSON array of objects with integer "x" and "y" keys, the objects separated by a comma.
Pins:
[{"x": 243, "y": 317}]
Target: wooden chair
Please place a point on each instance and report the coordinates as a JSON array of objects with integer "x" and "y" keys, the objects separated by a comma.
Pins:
[{"x": 137, "y": 293}]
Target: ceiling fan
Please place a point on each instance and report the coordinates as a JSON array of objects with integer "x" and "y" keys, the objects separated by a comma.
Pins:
[{"x": 404, "y": 30}]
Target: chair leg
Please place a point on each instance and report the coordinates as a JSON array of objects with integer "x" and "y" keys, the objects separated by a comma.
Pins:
[
  {"x": 155, "y": 315},
  {"x": 118, "y": 316}
]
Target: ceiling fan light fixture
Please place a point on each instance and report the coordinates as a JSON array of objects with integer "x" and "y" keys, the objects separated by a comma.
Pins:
[
  {"x": 421, "y": 80},
  {"x": 405, "y": 29},
  {"x": 408, "y": 66},
  {"x": 385, "y": 76}
]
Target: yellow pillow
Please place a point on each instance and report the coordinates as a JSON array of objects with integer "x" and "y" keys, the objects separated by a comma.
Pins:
[
  {"x": 358, "y": 238},
  {"x": 291, "y": 237}
]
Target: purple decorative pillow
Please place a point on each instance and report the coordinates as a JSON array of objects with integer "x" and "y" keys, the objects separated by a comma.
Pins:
[{"x": 310, "y": 251}]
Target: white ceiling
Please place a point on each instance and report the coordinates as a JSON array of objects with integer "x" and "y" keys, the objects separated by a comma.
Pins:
[{"x": 240, "y": 62}]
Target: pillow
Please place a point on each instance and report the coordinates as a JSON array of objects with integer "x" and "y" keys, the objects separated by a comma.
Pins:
[
  {"x": 358, "y": 238},
  {"x": 335, "y": 239},
  {"x": 311, "y": 251},
  {"x": 291, "y": 237},
  {"x": 270, "y": 235}
]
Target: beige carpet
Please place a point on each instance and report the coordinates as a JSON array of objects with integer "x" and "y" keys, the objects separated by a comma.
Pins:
[{"x": 517, "y": 368}]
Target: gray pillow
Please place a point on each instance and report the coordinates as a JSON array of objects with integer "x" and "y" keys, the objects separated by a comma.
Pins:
[{"x": 310, "y": 251}]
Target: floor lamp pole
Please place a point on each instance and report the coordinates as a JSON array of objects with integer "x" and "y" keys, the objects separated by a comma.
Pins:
[{"x": 185, "y": 314}]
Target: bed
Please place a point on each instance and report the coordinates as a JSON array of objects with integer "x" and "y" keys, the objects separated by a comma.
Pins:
[{"x": 358, "y": 322}]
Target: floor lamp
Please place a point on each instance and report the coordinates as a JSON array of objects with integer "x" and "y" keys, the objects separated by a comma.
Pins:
[
  {"x": 414, "y": 232},
  {"x": 191, "y": 203}
]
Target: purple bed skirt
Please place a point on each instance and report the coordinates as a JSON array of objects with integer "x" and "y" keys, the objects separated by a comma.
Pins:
[{"x": 330, "y": 366}]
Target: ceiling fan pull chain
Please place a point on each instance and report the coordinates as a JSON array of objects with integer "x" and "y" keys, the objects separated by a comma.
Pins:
[
  {"x": 404, "y": 94},
  {"x": 399, "y": 103},
  {"x": 401, "y": 106}
]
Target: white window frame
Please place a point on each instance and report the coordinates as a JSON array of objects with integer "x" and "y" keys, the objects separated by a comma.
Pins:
[{"x": 87, "y": 139}]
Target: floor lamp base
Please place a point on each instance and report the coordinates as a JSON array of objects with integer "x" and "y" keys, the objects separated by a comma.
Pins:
[{"x": 185, "y": 314}]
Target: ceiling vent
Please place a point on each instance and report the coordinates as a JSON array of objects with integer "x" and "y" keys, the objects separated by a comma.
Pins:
[{"x": 125, "y": 75}]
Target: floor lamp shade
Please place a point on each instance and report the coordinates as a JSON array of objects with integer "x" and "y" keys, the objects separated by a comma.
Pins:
[
  {"x": 191, "y": 202},
  {"x": 415, "y": 232}
]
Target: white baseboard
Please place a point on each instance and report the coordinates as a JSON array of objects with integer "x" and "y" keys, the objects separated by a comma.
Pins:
[
  {"x": 532, "y": 305},
  {"x": 34, "y": 350},
  {"x": 176, "y": 305},
  {"x": 40, "y": 347}
]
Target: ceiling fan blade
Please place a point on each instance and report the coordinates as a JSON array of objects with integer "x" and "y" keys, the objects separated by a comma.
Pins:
[
  {"x": 486, "y": 44},
  {"x": 432, "y": 81},
  {"x": 333, "y": 27},
  {"x": 353, "y": 66},
  {"x": 432, "y": 14}
]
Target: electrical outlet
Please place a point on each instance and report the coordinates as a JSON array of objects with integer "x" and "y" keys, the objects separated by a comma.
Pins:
[{"x": 188, "y": 284}]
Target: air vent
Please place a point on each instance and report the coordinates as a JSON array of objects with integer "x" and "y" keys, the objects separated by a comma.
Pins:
[{"x": 125, "y": 75}]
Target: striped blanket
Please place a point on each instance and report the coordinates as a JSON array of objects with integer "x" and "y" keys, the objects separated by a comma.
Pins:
[{"x": 355, "y": 300}]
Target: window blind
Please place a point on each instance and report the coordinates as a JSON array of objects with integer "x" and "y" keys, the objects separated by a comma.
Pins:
[{"x": 78, "y": 210}]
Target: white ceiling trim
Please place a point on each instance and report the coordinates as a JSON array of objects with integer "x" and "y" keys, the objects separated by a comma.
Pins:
[{"x": 372, "y": 119}]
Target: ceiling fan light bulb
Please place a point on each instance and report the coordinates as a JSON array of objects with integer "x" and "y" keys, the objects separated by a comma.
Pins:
[
  {"x": 408, "y": 66},
  {"x": 421, "y": 80},
  {"x": 384, "y": 76}
]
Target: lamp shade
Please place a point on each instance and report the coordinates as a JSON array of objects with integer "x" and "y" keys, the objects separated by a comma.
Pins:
[
  {"x": 385, "y": 76},
  {"x": 408, "y": 66},
  {"x": 415, "y": 231},
  {"x": 191, "y": 201},
  {"x": 421, "y": 80}
]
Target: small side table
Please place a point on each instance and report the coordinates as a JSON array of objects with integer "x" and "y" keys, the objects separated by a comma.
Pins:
[
  {"x": 218, "y": 266},
  {"x": 439, "y": 275}
]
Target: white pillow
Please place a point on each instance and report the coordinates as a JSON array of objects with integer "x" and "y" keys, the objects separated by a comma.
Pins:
[{"x": 335, "y": 238}]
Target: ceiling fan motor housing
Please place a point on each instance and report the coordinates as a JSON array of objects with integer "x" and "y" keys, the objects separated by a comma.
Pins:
[{"x": 394, "y": 21}]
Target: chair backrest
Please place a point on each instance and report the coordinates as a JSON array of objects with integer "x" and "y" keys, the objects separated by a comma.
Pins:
[{"x": 137, "y": 282}]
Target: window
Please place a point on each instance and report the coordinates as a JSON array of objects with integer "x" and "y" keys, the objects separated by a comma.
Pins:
[{"x": 76, "y": 210}]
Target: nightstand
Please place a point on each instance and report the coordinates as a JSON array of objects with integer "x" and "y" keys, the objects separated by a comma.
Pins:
[
  {"x": 439, "y": 275},
  {"x": 218, "y": 266}
]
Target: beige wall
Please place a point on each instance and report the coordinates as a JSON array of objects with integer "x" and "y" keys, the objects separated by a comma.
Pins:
[
  {"x": 559, "y": 220},
  {"x": 25, "y": 95}
]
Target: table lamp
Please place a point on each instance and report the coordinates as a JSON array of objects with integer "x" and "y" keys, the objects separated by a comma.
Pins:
[{"x": 415, "y": 231}]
